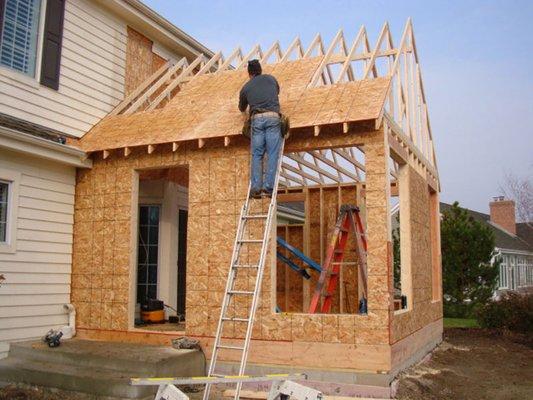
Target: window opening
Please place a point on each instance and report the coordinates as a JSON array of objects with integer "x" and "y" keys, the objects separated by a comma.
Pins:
[{"x": 396, "y": 208}]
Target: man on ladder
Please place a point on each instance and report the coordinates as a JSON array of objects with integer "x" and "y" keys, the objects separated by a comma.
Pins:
[
  {"x": 261, "y": 94},
  {"x": 250, "y": 248}
]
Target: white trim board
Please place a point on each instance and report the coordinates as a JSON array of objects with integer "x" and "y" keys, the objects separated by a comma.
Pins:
[{"x": 42, "y": 148}]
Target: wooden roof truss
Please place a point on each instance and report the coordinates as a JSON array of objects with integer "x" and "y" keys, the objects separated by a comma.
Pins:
[{"x": 405, "y": 115}]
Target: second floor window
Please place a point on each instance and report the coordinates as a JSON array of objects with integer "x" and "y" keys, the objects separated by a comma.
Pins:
[
  {"x": 4, "y": 187},
  {"x": 19, "y": 22}
]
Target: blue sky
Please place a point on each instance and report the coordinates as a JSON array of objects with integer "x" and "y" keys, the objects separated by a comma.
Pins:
[{"x": 476, "y": 59}]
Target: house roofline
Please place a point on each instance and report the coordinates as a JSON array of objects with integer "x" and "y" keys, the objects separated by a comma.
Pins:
[
  {"x": 141, "y": 17},
  {"x": 21, "y": 142},
  {"x": 501, "y": 228},
  {"x": 512, "y": 251}
]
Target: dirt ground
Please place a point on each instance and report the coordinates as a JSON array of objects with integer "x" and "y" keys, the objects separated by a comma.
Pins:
[{"x": 471, "y": 364}]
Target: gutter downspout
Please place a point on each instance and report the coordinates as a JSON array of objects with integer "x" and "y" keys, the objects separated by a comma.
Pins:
[{"x": 69, "y": 331}]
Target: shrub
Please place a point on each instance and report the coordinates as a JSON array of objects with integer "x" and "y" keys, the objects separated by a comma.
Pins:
[
  {"x": 469, "y": 276},
  {"x": 512, "y": 311}
]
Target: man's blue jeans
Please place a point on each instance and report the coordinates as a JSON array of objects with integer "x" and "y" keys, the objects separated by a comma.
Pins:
[{"x": 266, "y": 137}]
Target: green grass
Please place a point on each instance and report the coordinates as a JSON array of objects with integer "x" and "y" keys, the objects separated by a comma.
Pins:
[{"x": 460, "y": 323}]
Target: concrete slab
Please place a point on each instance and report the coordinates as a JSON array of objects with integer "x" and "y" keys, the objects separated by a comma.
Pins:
[{"x": 95, "y": 367}]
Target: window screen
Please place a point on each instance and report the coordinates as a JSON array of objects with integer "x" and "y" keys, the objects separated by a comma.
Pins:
[
  {"x": 4, "y": 188},
  {"x": 148, "y": 252},
  {"x": 19, "y": 31}
]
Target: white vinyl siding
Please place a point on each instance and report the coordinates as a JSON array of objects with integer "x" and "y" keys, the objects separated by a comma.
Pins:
[
  {"x": 91, "y": 84},
  {"x": 38, "y": 271}
]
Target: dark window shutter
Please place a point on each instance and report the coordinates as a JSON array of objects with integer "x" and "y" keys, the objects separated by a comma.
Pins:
[
  {"x": 52, "y": 38},
  {"x": 2, "y": 9}
]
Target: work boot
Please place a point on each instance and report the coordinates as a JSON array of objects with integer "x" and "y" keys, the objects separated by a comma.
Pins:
[
  {"x": 255, "y": 194},
  {"x": 266, "y": 193}
]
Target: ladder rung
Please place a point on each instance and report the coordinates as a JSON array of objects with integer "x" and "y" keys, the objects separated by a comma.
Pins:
[
  {"x": 251, "y": 241},
  {"x": 240, "y": 292},
  {"x": 245, "y": 266},
  {"x": 255, "y": 216},
  {"x": 218, "y": 375},
  {"x": 236, "y": 319},
  {"x": 221, "y": 346}
]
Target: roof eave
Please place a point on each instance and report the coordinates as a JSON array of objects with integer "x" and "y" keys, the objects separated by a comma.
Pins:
[
  {"x": 513, "y": 251},
  {"x": 38, "y": 147}
]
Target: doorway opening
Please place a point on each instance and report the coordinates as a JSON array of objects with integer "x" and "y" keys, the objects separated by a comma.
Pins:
[{"x": 161, "y": 249}]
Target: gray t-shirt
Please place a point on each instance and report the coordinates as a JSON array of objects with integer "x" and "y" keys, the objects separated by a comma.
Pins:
[{"x": 260, "y": 92}]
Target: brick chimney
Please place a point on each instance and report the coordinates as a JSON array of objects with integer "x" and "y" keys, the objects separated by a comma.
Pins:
[{"x": 502, "y": 213}]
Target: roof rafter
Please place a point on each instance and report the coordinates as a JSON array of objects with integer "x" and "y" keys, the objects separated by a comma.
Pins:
[{"x": 295, "y": 45}]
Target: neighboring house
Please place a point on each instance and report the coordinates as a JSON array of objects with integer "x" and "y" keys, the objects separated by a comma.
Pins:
[
  {"x": 514, "y": 243},
  {"x": 64, "y": 65}
]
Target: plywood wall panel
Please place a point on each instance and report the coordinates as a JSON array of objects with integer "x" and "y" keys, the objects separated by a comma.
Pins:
[
  {"x": 141, "y": 62},
  {"x": 218, "y": 180}
]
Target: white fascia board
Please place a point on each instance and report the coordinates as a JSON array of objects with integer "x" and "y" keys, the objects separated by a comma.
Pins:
[
  {"x": 510, "y": 251},
  {"x": 38, "y": 147}
]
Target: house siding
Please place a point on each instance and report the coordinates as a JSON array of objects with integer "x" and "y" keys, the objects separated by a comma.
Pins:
[
  {"x": 92, "y": 76},
  {"x": 38, "y": 272}
]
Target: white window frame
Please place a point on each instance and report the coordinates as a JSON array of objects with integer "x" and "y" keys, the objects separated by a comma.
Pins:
[
  {"x": 12, "y": 178},
  {"x": 31, "y": 80},
  {"x": 503, "y": 284}
]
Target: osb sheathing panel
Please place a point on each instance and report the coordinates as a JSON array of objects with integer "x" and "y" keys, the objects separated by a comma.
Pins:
[
  {"x": 206, "y": 107},
  {"x": 425, "y": 311},
  {"x": 141, "y": 62},
  {"x": 217, "y": 186}
]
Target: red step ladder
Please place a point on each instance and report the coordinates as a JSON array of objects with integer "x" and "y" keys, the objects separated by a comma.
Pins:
[{"x": 349, "y": 219}]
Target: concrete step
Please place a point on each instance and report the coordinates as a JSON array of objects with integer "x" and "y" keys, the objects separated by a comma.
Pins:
[
  {"x": 99, "y": 383},
  {"x": 97, "y": 368},
  {"x": 135, "y": 359}
]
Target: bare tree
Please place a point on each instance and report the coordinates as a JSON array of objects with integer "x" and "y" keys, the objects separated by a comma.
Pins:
[{"x": 521, "y": 191}]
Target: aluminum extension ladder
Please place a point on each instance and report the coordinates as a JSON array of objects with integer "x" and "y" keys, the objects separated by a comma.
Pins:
[{"x": 246, "y": 220}]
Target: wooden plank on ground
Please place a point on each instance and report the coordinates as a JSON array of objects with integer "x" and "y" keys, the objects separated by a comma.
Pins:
[{"x": 250, "y": 394}]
